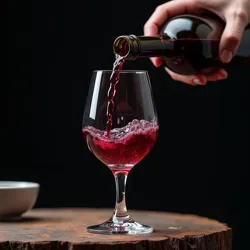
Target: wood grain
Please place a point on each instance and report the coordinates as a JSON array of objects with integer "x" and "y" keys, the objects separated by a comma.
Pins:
[{"x": 65, "y": 229}]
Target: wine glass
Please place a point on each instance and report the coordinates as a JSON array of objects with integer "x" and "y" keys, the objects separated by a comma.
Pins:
[{"x": 120, "y": 127}]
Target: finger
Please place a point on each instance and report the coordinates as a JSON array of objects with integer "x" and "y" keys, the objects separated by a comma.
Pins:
[
  {"x": 156, "y": 61},
  {"x": 218, "y": 74},
  {"x": 162, "y": 13},
  {"x": 236, "y": 22},
  {"x": 199, "y": 79},
  {"x": 188, "y": 79}
]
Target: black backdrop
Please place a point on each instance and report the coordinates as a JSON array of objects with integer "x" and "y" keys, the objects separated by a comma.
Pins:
[{"x": 200, "y": 163}]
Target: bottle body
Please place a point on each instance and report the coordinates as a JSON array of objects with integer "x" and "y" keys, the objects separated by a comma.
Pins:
[{"x": 186, "y": 44}]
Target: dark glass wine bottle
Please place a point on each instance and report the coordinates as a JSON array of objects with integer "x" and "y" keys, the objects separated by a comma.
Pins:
[{"x": 187, "y": 44}]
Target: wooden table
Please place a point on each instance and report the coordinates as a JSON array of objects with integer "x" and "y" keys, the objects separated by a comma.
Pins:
[{"x": 65, "y": 229}]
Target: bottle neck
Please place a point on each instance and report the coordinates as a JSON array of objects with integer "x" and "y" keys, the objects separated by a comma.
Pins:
[{"x": 131, "y": 47}]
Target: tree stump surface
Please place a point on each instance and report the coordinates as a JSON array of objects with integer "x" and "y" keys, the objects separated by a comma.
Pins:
[{"x": 65, "y": 229}]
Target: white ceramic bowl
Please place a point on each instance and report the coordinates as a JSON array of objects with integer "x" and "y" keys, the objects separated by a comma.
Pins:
[{"x": 16, "y": 198}]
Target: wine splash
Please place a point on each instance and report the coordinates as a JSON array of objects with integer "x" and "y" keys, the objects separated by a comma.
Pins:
[
  {"x": 114, "y": 79},
  {"x": 124, "y": 147}
]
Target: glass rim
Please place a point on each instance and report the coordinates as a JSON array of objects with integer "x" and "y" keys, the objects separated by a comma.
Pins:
[{"x": 126, "y": 71}]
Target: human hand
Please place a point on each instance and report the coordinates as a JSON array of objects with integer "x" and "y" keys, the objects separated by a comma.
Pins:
[{"x": 235, "y": 13}]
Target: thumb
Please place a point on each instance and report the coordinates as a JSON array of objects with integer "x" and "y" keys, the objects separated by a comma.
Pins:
[{"x": 231, "y": 37}]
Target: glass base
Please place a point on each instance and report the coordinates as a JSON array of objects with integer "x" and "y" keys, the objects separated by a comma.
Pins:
[{"x": 126, "y": 227}]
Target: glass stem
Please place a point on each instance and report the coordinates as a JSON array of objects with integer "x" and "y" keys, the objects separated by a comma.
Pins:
[{"x": 120, "y": 213}]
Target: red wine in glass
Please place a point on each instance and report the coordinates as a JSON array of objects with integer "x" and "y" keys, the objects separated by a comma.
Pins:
[
  {"x": 120, "y": 128},
  {"x": 124, "y": 146}
]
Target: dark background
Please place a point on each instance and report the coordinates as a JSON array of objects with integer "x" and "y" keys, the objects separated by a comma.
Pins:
[{"x": 200, "y": 163}]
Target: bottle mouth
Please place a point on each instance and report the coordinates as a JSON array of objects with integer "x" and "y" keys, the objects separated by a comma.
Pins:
[{"x": 121, "y": 46}]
